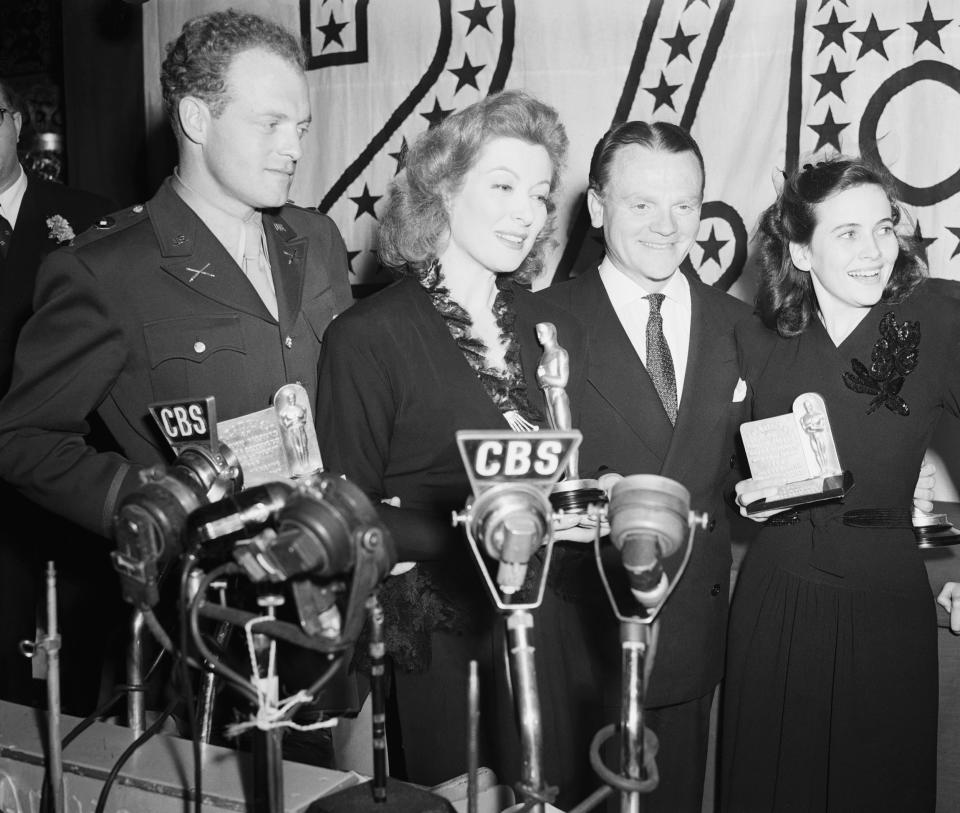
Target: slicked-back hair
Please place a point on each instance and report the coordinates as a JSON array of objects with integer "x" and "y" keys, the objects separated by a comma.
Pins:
[
  {"x": 415, "y": 227},
  {"x": 786, "y": 300},
  {"x": 9, "y": 98},
  {"x": 655, "y": 135},
  {"x": 197, "y": 61}
]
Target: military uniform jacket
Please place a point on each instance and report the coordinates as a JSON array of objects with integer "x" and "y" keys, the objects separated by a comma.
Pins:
[
  {"x": 626, "y": 430},
  {"x": 151, "y": 307}
]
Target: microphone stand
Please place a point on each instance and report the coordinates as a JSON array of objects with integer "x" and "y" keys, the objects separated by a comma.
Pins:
[
  {"x": 519, "y": 626},
  {"x": 638, "y": 744},
  {"x": 267, "y": 747},
  {"x": 51, "y": 646},
  {"x": 523, "y": 673}
]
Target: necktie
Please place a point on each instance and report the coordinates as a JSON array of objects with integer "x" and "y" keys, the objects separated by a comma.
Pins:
[
  {"x": 6, "y": 232},
  {"x": 659, "y": 360},
  {"x": 255, "y": 264}
]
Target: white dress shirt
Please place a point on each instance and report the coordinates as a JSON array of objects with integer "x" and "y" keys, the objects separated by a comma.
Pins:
[
  {"x": 633, "y": 311},
  {"x": 12, "y": 197}
]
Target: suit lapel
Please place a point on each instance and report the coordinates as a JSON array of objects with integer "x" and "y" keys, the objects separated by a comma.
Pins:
[
  {"x": 26, "y": 245},
  {"x": 288, "y": 256},
  {"x": 617, "y": 373},
  {"x": 707, "y": 389},
  {"x": 191, "y": 254}
]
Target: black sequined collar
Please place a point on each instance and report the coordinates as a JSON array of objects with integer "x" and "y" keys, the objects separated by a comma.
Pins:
[{"x": 506, "y": 388}]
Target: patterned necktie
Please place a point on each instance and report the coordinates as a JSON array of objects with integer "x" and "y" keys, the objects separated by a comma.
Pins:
[
  {"x": 659, "y": 360},
  {"x": 255, "y": 264},
  {"x": 6, "y": 232}
]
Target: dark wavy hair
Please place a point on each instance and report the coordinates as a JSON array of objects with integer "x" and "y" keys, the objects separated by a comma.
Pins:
[
  {"x": 197, "y": 61},
  {"x": 786, "y": 301},
  {"x": 415, "y": 226},
  {"x": 655, "y": 135}
]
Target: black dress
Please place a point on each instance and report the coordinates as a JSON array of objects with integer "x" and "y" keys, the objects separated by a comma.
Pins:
[
  {"x": 395, "y": 387},
  {"x": 830, "y": 700}
]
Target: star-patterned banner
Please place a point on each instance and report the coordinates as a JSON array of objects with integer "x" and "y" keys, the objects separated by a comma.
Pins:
[{"x": 762, "y": 86}]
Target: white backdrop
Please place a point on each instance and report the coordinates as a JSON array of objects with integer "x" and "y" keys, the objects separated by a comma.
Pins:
[{"x": 761, "y": 84}]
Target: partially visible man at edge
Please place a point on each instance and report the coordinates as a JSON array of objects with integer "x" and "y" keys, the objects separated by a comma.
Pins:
[
  {"x": 37, "y": 216},
  {"x": 217, "y": 286}
]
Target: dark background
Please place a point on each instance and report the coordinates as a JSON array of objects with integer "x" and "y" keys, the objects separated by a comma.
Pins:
[{"x": 79, "y": 66}]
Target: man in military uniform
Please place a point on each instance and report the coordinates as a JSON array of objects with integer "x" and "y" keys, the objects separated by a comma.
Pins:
[
  {"x": 37, "y": 216},
  {"x": 217, "y": 286}
]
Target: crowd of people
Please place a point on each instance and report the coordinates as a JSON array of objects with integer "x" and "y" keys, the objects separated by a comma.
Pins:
[{"x": 220, "y": 286}]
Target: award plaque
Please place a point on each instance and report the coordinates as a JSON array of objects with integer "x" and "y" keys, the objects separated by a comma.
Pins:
[
  {"x": 279, "y": 442},
  {"x": 797, "y": 453},
  {"x": 573, "y": 494}
]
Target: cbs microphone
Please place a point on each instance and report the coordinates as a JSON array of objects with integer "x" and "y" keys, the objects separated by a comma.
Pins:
[
  {"x": 512, "y": 522},
  {"x": 649, "y": 522}
]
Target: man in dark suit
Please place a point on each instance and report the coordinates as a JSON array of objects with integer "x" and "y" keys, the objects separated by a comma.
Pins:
[
  {"x": 672, "y": 411},
  {"x": 217, "y": 286},
  {"x": 38, "y": 216}
]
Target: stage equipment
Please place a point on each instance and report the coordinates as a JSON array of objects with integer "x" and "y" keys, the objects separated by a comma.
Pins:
[
  {"x": 507, "y": 520},
  {"x": 47, "y": 650},
  {"x": 150, "y": 521},
  {"x": 652, "y": 526}
]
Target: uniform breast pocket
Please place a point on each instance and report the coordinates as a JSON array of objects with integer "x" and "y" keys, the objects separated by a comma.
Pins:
[{"x": 195, "y": 356}]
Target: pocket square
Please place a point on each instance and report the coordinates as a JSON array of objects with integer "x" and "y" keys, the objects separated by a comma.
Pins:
[{"x": 740, "y": 391}]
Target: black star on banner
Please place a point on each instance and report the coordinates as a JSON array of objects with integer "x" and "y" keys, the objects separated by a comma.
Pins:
[
  {"x": 711, "y": 247},
  {"x": 466, "y": 74},
  {"x": 832, "y": 32},
  {"x": 828, "y": 132},
  {"x": 351, "y": 256},
  {"x": 438, "y": 114},
  {"x": 831, "y": 81},
  {"x": 928, "y": 29},
  {"x": 825, "y": 2},
  {"x": 955, "y": 231},
  {"x": 478, "y": 16},
  {"x": 331, "y": 31},
  {"x": 365, "y": 203},
  {"x": 400, "y": 156},
  {"x": 679, "y": 44},
  {"x": 663, "y": 93},
  {"x": 872, "y": 37},
  {"x": 922, "y": 242}
]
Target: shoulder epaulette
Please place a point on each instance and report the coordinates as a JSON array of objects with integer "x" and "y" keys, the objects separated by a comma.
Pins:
[{"x": 113, "y": 222}]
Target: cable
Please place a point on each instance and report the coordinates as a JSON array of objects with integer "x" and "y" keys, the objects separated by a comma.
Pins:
[
  {"x": 119, "y": 691},
  {"x": 211, "y": 661},
  {"x": 128, "y": 752}
]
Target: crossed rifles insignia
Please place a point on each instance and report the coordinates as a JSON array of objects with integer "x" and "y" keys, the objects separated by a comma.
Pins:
[{"x": 196, "y": 272}]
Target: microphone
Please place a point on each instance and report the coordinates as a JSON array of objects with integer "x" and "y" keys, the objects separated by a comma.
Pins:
[
  {"x": 512, "y": 522},
  {"x": 649, "y": 521}
]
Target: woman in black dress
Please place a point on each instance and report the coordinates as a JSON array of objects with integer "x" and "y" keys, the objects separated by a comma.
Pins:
[
  {"x": 830, "y": 699},
  {"x": 451, "y": 345}
]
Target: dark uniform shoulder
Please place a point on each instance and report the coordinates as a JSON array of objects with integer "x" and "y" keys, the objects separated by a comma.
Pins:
[{"x": 112, "y": 224}]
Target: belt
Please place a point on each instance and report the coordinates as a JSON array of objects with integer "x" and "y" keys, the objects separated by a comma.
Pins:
[{"x": 860, "y": 518}]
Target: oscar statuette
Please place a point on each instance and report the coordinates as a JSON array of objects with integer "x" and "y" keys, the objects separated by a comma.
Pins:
[{"x": 573, "y": 494}]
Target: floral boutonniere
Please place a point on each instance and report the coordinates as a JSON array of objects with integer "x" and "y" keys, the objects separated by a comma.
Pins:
[{"x": 60, "y": 229}]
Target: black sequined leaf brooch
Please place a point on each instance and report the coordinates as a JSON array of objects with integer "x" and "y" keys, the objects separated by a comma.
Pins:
[{"x": 894, "y": 357}]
